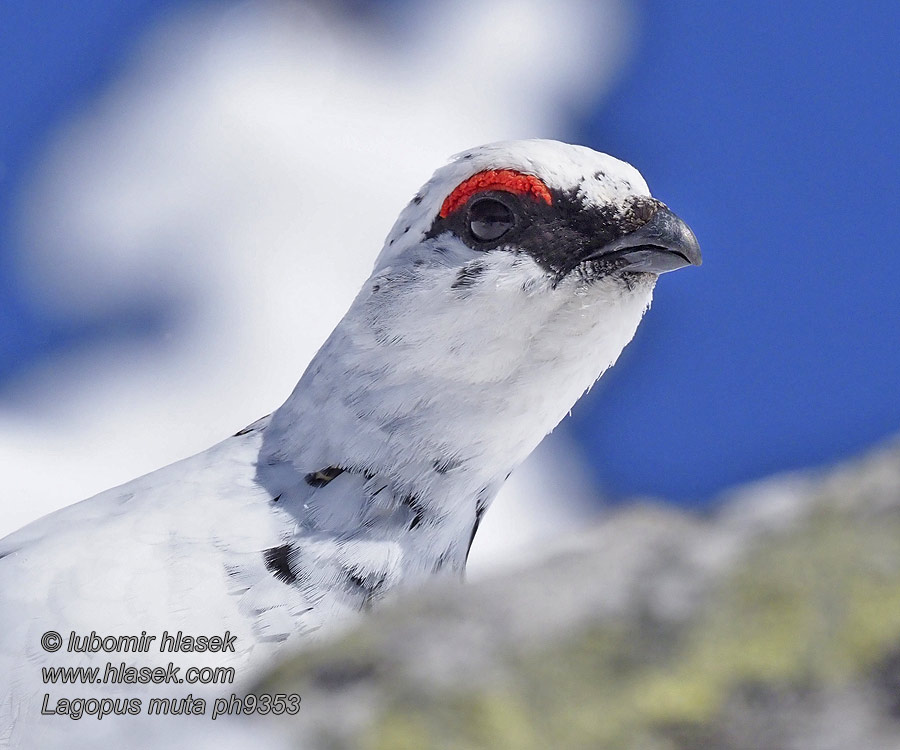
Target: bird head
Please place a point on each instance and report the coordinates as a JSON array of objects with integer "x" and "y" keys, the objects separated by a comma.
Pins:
[
  {"x": 523, "y": 252},
  {"x": 570, "y": 215},
  {"x": 507, "y": 286}
]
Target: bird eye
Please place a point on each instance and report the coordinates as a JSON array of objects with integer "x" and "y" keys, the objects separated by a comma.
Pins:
[{"x": 489, "y": 219}]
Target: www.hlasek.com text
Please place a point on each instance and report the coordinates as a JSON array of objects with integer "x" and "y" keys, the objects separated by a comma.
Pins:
[{"x": 123, "y": 674}]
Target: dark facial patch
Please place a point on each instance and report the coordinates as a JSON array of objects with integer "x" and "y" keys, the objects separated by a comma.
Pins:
[{"x": 558, "y": 236}]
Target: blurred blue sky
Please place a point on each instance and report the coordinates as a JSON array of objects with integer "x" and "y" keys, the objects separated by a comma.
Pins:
[
  {"x": 52, "y": 58},
  {"x": 772, "y": 130}
]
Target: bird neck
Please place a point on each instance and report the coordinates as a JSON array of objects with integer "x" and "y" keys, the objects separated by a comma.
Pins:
[{"x": 442, "y": 399}]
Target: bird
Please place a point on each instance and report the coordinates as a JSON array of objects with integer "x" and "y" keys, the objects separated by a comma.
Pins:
[{"x": 508, "y": 285}]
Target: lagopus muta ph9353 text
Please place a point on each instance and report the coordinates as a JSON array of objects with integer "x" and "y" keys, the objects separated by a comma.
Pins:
[{"x": 507, "y": 286}]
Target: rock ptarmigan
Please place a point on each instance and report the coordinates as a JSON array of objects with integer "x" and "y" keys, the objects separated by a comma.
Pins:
[{"x": 507, "y": 286}]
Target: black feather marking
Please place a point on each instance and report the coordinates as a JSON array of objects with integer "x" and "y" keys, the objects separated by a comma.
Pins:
[
  {"x": 468, "y": 275},
  {"x": 356, "y": 580},
  {"x": 415, "y": 505},
  {"x": 278, "y": 562},
  {"x": 323, "y": 476},
  {"x": 443, "y": 465},
  {"x": 480, "y": 507},
  {"x": 249, "y": 428},
  {"x": 277, "y": 498},
  {"x": 417, "y": 199}
]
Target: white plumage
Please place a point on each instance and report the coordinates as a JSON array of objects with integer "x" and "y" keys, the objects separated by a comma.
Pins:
[{"x": 456, "y": 358}]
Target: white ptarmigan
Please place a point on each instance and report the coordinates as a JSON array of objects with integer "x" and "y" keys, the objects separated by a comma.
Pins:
[{"x": 507, "y": 286}]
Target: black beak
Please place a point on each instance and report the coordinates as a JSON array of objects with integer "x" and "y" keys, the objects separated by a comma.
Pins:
[{"x": 665, "y": 243}]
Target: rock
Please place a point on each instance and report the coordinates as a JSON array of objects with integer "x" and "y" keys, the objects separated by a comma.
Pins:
[{"x": 773, "y": 623}]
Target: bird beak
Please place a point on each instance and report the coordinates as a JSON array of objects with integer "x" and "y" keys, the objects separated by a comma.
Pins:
[{"x": 665, "y": 243}]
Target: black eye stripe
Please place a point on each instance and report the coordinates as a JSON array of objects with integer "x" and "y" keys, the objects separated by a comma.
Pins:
[
  {"x": 489, "y": 219},
  {"x": 557, "y": 235}
]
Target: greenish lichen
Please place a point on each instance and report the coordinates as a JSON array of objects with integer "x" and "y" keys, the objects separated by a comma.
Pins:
[{"x": 815, "y": 607}]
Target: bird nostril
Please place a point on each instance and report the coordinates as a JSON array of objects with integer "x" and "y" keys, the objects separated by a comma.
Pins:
[{"x": 642, "y": 210}]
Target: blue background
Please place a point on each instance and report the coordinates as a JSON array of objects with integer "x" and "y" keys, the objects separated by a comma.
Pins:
[{"x": 771, "y": 128}]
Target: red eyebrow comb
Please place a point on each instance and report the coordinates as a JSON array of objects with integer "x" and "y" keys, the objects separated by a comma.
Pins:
[{"x": 496, "y": 179}]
